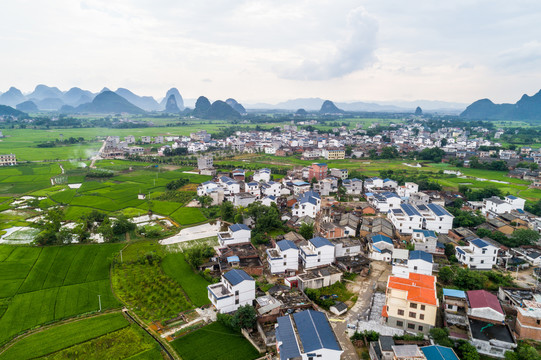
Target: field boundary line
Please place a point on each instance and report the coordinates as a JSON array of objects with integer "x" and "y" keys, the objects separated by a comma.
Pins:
[{"x": 33, "y": 264}]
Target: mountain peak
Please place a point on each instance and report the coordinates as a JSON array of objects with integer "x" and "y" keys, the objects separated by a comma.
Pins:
[{"x": 328, "y": 107}]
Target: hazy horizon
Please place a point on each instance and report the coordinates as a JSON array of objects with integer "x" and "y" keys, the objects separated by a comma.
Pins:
[{"x": 272, "y": 51}]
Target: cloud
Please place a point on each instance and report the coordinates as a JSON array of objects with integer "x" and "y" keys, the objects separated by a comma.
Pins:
[
  {"x": 524, "y": 58},
  {"x": 355, "y": 52}
]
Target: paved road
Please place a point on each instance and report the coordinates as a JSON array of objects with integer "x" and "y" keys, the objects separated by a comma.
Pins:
[{"x": 360, "y": 310}]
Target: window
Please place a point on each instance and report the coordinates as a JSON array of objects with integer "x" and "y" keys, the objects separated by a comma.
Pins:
[
  {"x": 482, "y": 261},
  {"x": 420, "y": 328},
  {"x": 538, "y": 322},
  {"x": 411, "y": 326},
  {"x": 413, "y": 315},
  {"x": 237, "y": 302},
  {"x": 318, "y": 260},
  {"x": 285, "y": 255},
  {"x": 421, "y": 317},
  {"x": 413, "y": 306},
  {"x": 400, "y": 323},
  {"x": 401, "y": 312},
  {"x": 285, "y": 263},
  {"x": 423, "y": 307},
  {"x": 415, "y": 268}
]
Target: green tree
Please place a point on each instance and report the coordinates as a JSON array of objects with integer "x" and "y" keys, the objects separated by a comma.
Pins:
[
  {"x": 205, "y": 201},
  {"x": 446, "y": 275},
  {"x": 245, "y": 318},
  {"x": 524, "y": 237},
  {"x": 441, "y": 336},
  {"x": 227, "y": 211},
  {"x": 307, "y": 231},
  {"x": 467, "y": 351}
]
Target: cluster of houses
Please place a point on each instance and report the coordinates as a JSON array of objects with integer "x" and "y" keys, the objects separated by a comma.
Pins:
[{"x": 375, "y": 229}]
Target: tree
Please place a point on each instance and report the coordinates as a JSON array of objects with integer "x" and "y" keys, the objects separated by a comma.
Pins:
[
  {"x": 389, "y": 152},
  {"x": 227, "y": 211},
  {"x": 443, "y": 142},
  {"x": 197, "y": 254},
  {"x": 524, "y": 237},
  {"x": 205, "y": 201},
  {"x": 244, "y": 318},
  {"x": 467, "y": 351},
  {"x": 307, "y": 231},
  {"x": 122, "y": 225},
  {"x": 445, "y": 275},
  {"x": 441, "y": 336}
]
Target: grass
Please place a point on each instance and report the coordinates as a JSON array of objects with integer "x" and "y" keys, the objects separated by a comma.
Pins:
[
  {"x": 42, "y": 285},
  {"x": 64, "y": 336},
  {"x": 195, "y": 286},
  {"x": 214, "y": 341}
]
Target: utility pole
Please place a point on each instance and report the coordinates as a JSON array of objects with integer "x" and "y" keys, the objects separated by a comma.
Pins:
[
  {"x": 121, "y": 256},
  {"x": 99, "y": 300}
]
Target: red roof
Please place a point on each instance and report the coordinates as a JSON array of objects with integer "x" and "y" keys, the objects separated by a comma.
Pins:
[
  {"x": 421, "y": 288},
  {"x": 482, "y": 299},
  {"x": 384, "y": 311}
]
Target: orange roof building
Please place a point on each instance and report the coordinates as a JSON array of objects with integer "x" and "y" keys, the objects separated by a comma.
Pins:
[{"x": 411, "y": 303}]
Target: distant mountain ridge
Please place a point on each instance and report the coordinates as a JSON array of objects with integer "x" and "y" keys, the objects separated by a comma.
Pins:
[
  {"x": 105, "y": 103},
  {"x": 527, "y": 108}
]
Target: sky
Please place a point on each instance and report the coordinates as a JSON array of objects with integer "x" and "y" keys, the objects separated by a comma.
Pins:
[{"x": 274, "y": 50}]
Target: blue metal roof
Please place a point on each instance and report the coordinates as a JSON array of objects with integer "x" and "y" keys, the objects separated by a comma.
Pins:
[
  {"x": 377, "y": 238},
  {"x": 438, "y": 352},
  {"x": 237, "y": 227},
  {"x": 409, "y": 210},
  {"x": 454, "y": 293},
  {"x": 286, "y": 335},
  {"x": 460, "y": 251},
  {"x": 286, "y": 244},
  {"x": 438, "y": 210},
  {"x": 233, "y": 258},
  {"x": 315, "y": 331},
  {"x": 320, "y": 241},
  {"x": 426, "y": 233},
  {"x": 236, "y": 276},
  {"x": 512, "y": 197},
  {"x": 420, "y": 255},
  {"x": 479, "y": 243}
]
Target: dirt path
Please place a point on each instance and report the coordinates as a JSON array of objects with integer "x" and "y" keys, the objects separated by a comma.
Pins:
[{"x": 365, "y": 287}]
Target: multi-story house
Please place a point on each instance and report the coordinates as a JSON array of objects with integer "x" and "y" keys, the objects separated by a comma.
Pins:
[
  {"x": 380, "y": 247},
  {"x": 425, "y": 240},
  {"x": 334, "y": 154},
  {"x": 205, "y": 162},
  {"x": 284, "y": 257},
  {"x": 406, "y": 218},
  {"x": 407, "y": 189},
  {"x": 384, "y": 201},
  {"x": 340, "y": 173},
  {"x": 8, "y": 160},
  {"x": 262, "y": 175},
  {"x": 411, "y": 303},
  {"x": 436, "y": 218},
  {"x": 306, "y": 335},
  {"x": 353, "y": 186},
  {"x": 317, "y": 252},
  {"x": 253, "y": 188},
  {"x": 231, "y": 187},
  {"x": 495, "y": 205},
  {"x": 478, "y": 255},
  {"x": 235, "y": 289},
  {"x": 308, "y": 204},
  {"x": 317, "y": 171},
  {"x": 236, "y": 234},
  {"x": 271, "y": 188}
]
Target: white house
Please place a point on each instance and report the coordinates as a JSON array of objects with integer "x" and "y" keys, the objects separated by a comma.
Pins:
[
  {"x": 425, "y": 240},
  {"x": 268, "y": 200},
  {"x": 306, "y": 335},
  {"x": 353, "y": 186},
  {"x": 235, "y": 289},
  {"x": 207, "y": 187},
  {"x": 308, "y": 204},
  {"x": 373, "y": 183},
  {"x": 399, "y": 262},
  {"x": 406, "y": 218},
  {"x": 271, "y": 188},
  {"x": 262, "y": 175},
  {"x": 347, "y": 247},
  {"x": 384, "y": 201},
  {"x": 284, "y": 257},
  {"x": 477, "y": 255},
  {"x": 390, "y": 183},
  {"x": 231, "y": 187},
  {"x": 496, "y": 205},
  {"x": 236, "y": 234},
  {"x": 253, "y": 188},
  {"x": 243, "y": 199},
  {"x": 318, "y": 252},
  {"x": 436, "y": 218},
  {"x": 407, "y": 189},
  {"x": 380, "y": 248},
  {"x": 420, "y": 262},
  {"x": 300, "y": 187}
]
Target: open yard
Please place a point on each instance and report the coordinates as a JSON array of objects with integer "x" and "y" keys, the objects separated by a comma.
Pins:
[
  {"x": 214, "y": 341},
  {"x": 42, "y": 285}
]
